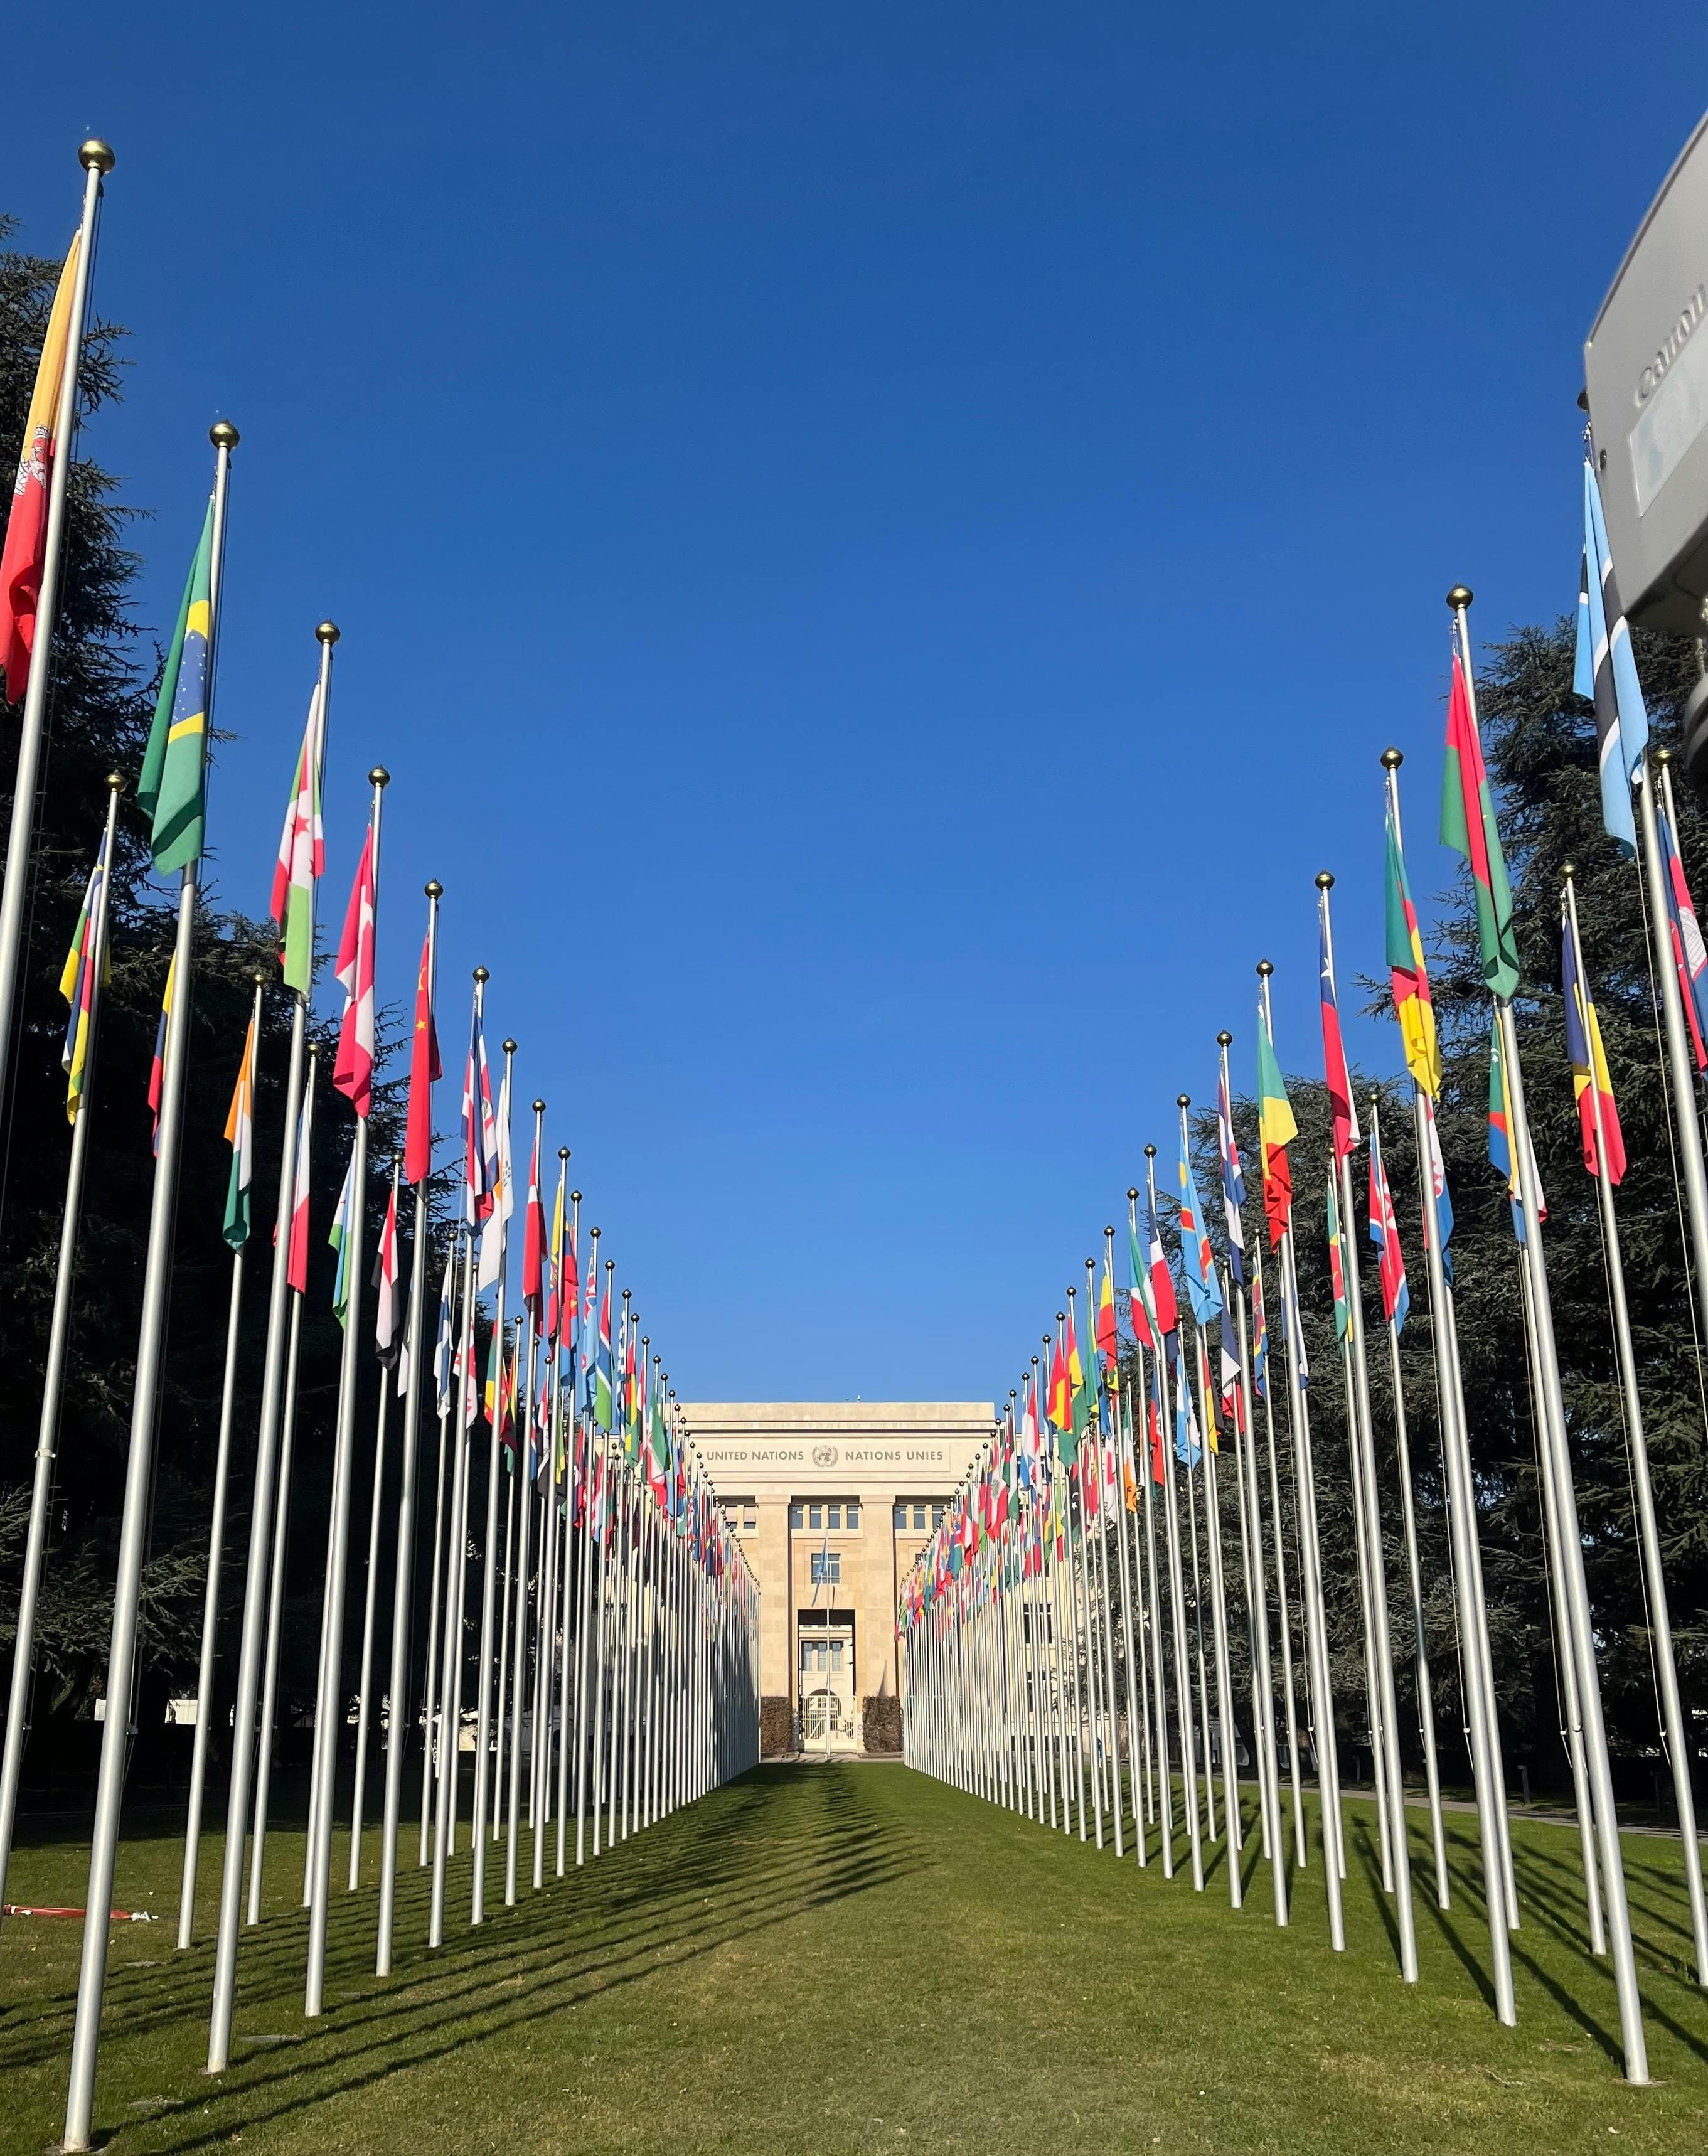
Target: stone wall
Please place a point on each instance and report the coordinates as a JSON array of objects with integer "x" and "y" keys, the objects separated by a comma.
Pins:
[
  {"x": 776, "y": 1733},
  {"x": 880, "y": 1723}
]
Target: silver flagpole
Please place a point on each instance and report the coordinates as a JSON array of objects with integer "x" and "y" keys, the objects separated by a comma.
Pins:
[
  {"x": 431, "y": 1703},
  {"x": 1678, "y": 1738},
  {"x": 1153, "y": 1588},
  {"x": 261, "y": 1508},
  {"x": 503, "y": 1627},
  {"x": 275, "y": 1575},
  {"x": 1283, "y": 1607},
  {"x": 452, "y": 1649},
  {"x": 1426, "y": 1710},
  {"x": 1365, "y": 1438},
  {"x": 145, "y": 1403},
  {"x": 364, "y": 1697},
  {"x": 343, "y": 1470},
  {"x": 1176, "y": 1600},
  {"x": 216, "y": 1556},
  {"x": 1197, "y": 1639},
  {"x": 521, "y": 1482},
  {"x": 403, "y": 1566},
  {"x": 97, "y": 161},
  {"x": 1632, "y": 2037},
  {"x": 489, "y": 1576},
  {"x": 571, "y": 1567},
  {"x": 53, "y": 1376},
  {"x": 583, "y": 1607}
]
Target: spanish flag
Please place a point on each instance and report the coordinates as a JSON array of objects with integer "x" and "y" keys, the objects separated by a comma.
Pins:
[{"x": 25, "y": 555}]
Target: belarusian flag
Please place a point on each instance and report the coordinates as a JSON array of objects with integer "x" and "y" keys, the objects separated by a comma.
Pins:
[
  {"x": 352, "y": 1069},
  {"x": 302, "y": 857},
  {"x": 1276, "y": 1132},
  {"x": 240, "y": 1137},
  {"x": 1468, "y": 825},
  {"x": 25, "y": 554},
  {"x": 171, "y": 791},
  {"x": 1410, "y": 977}
]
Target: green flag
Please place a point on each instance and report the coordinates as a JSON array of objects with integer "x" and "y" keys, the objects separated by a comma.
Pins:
[
  {"x": 1468, "y": 825},
  {"x": 171, "y": 791}
]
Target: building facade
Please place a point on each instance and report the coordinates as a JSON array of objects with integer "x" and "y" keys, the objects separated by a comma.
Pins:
[{"x": 832, "y": 1501}]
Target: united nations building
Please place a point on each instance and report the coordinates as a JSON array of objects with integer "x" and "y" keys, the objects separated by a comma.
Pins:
[{"x": 832, "y": 1502}]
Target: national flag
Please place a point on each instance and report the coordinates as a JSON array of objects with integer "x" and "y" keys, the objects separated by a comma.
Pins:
[
  {"x": 1276, "y": 1130},
  {"x": 1261, "y": 1345},
  {"x": 1605, "y": 673},
  {"x": 480, "y": 1132},
  {"x": 78, "y": 985},
  {"x": 1409, "y": 975},
  {"x": 1188, "y": 1447},
  {"x": 302, "y": 855},
  {"x": 1336, "y": 1269},
  {"x": 1501, "y": 1153},
  {"x": 555, "y": 1300},
  {"x": 352, "y": 1069},
  {"x": 1233, "y": 1181},
  {"x": 389, "y": 1290},
  {"x": 1207, "y": 1392},
  {"x": 1153, "y": 1427},
  {"x": 1384, "y": 1232},
  {"x": 1105, "y": 1315},
  {"x": 489, "y": 1263},
  {"x": 424, "y": 1071},
  {"x": 601, "y": 1365},
  {"x": 1058, "y": 1405},
  {"x": 659, "y": 1451},
  {"x": 444, "y": 1351},
  {"x": 1343, "y": 1112},
  {"x": 1293, "y": 1334},
  {"x": 240, "y": 1137},
  {"x": 296, "y": 1255},
  {"x": 156, "y": 1073},
  {"x": 1468, "y": 825},
  {"x": 1129, "y": 1468},
  {"x": 1437, "y": 1186},
  {"x": 534, "y": 1240},
  {"x": 23, "y": 558},
  {"x": 1077, "y": 1411},
  {"x": 1197, "y": 1259},
  {"x": 1590, "y": 1076},
  {"x": 1689, "y": 952},
  {"x": 171, "y": 791},
  {"x": 343, "y": 1229},
  {"x": 1231, "y": 1391}
]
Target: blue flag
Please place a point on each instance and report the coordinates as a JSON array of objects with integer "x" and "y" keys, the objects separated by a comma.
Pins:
[{"x": 1605, "y": 674}]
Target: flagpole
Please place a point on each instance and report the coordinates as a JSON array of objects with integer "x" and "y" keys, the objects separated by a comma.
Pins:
[
  {"x": 330, "y": 1721},
  {"x": 1678, "y": 1739},
  {"x": 453, "y": 1650},
  {"x": 431, "y": 1703},
  {"x": 145, "y": 1405},
  {"x": 1283, "y": 1611},
  {"x": 519, "y": 1660},
  {"x": 261, "y": 1504},
  {"x": 273, "y": 1579},
  {"x": 53, "y": 1374},
  {"x": 370, "y": 1596},
  {"x": 502, "y": 1624},
  {"x": 216, "y": 1552},
  {"x": 1426, "y": 1708},
  {"x": 1633, "y": 2040},
  {"x": 1176, "y": 1597},
  {"x": 97, "y": 161},
  {"x": 1164, "y": 1784},
  {"x": 489, "y": 1579},
  {"x": 1321, "y": 1688},
  {"x": 584, "y": 1588}
]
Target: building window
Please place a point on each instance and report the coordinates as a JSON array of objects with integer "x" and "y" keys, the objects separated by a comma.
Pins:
[
  {"x": 795, "y": 1512},
  {"x": 827, "y": 1568},
  {"x": 835, "y": 1518},
  {"x": 936, "y": 1516},
  {"x": 919, "y": 1519},
  {"x": 836, "y": 1657},
  {"x": 852, "y": 1520},
  {"x": 902, "y": 1518},
  {"x": 815, "y": 1516},
  {"x": 750, "y": 1518}
]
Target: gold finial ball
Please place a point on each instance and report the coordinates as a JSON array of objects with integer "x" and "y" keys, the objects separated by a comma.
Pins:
[
  {"x": 1458, "y": 597},
  {"x": 563, "y": 1152},
  {"x": 223, "y": 435},
  {"x": 95, "y": 156},
  {"x": 379, "y": 776},
  {"x": 482, "y": 975},
  {"x": 610, "y": 1265},
  {"x": 1391, "y": 759},
  {"x": 314, "y": 1048},
  {"x": 1108, "y": 1234},
  {"x": 1133, "y": 1191},
  {"x": 1224, "y": 1039},
  {"x": 1263, "y": 969},
  {"x": 508, "y": 1045},
  {"x": 1663, "y": 756},
  {"x": 575, "y": 1199},
  {"x": 1569, "y": 870},
  {"x": 117, "y": 781},
  {"x": 627, "y": 1291},
  {"x": 1061, "y": 1316},
  {"x": 1182, "y": 1100},
  {"x": 646, "y": 1340},
  {"x": 538, "y": 1107},
  {"x": 259, "y": 977},
  {"x": 434, "y": 889},
  {"x": 1325, "y": 880},
  {"x": 1149, "y": 1153},
  {"x": 328, "y": 632}
]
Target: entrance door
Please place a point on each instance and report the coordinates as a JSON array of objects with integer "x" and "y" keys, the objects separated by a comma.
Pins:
[{"x": 829, "y": 1718}]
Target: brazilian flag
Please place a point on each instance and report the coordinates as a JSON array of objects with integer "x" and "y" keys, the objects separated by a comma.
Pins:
[{"x": 172, "y": 790}]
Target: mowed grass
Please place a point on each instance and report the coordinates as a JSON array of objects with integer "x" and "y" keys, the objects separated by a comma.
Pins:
[{"x": 850, "y": 1956}]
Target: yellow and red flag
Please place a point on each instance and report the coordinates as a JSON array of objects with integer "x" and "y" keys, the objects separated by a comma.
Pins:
[{"x": 25, "y": 554}]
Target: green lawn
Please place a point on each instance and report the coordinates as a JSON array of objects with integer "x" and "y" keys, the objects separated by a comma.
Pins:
[{"x": 821, "y": 1958}]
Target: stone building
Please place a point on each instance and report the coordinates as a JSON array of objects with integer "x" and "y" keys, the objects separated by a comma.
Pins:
[{"x": 832, "y": 1501}]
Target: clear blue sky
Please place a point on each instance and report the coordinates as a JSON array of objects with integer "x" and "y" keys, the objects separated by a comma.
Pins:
[{"x": 880, "y": 548}]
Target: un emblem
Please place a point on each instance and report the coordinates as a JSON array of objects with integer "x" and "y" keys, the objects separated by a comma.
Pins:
[{"x": 824, "y": 1455}]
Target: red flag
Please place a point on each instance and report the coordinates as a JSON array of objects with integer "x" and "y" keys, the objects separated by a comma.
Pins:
[
  {"x": 533, "y": 1238},
  {"x": 25, "y": 554},
  {"x": 352, "y": 1069},
  {"x": 1344, "y": 1117},
  {"x": 424, "y": 1072}
]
